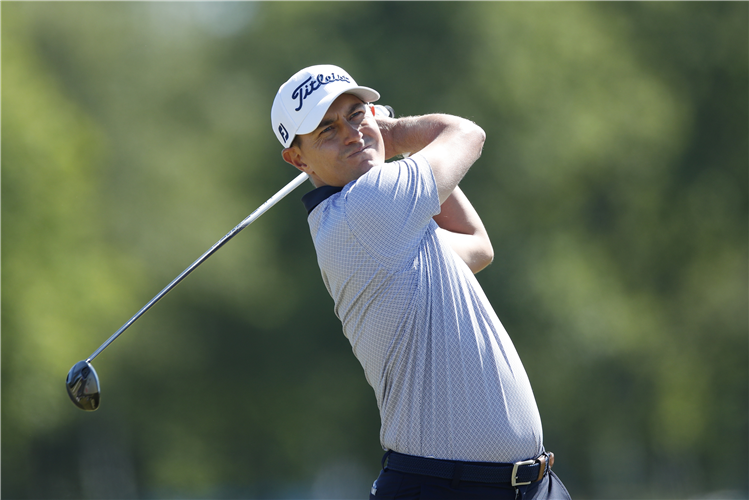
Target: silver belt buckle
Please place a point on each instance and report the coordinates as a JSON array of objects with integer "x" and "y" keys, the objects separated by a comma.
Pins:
[{"x": 514, "y": 478}]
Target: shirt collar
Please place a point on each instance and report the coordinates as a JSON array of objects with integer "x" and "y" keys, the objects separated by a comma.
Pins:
[{"x": 318, "y": 195}]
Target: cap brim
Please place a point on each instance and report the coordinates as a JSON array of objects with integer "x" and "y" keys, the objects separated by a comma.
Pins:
[{"x": 315, "y": 116}]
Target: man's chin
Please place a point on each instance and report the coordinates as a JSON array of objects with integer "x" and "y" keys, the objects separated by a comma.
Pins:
[
  {"x": 372, "y": 157},
  {"x": 368, "y": 165}
]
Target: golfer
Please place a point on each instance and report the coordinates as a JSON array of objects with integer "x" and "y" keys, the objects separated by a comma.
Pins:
[{"x": 398, "y": 244}]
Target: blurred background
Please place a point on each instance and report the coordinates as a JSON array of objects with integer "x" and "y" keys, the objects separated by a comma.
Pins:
[{"x": 613, "y": 184}]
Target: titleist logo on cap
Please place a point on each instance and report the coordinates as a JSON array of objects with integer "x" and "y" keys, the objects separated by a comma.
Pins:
[{"x": 308, "y": 86}]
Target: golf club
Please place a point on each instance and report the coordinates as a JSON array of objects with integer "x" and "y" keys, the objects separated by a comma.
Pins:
[{"x": 82, "y": 381}]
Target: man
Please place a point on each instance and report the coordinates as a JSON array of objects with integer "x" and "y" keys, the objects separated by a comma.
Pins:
[{"x": 398, "y": 244}]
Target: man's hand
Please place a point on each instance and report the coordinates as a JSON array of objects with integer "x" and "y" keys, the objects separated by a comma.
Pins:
[{"x": 386, "y": 125}]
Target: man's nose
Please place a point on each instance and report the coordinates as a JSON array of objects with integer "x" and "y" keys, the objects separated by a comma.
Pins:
[{"x": 351, "y": 133}]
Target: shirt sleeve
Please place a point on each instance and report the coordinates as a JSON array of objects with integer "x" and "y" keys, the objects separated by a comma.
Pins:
[{"x": 390, "y": 208}]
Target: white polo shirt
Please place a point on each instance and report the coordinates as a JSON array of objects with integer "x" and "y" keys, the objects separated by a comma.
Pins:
[{"x": 448, "y": 381}]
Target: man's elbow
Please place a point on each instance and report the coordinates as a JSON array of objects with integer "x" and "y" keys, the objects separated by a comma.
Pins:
[
  {"x": 470, "y": 137},
  {"x": 482, "y": 257},
  {"x": 480, "y": 136},
  {"x": 476, "y": 137}
]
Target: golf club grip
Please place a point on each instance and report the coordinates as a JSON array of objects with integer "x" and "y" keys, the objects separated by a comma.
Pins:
[{"x": 298, "y": 181}]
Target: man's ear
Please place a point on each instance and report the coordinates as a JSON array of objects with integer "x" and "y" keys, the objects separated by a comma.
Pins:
[{"x": 293, "y": 156}]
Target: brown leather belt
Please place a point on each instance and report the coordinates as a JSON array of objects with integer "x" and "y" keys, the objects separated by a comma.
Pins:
[{"x": 516, "y": 474}]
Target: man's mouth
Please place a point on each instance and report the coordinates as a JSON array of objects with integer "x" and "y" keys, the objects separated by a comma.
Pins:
[{"x": 358, "y": 151}]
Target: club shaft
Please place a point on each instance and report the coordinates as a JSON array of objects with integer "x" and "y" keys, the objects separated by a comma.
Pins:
[{"x": 246, "y": 222}]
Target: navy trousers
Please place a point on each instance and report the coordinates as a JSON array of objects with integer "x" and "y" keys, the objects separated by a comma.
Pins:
[{"x": 393, "y": 485}]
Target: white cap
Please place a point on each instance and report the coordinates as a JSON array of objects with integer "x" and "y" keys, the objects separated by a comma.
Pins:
[{"x": 301, "y": 102}]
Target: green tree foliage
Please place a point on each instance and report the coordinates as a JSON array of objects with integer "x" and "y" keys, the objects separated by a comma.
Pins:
[
  {"x": 613, "y": 184},
  {"x": 58, "y": 273}
]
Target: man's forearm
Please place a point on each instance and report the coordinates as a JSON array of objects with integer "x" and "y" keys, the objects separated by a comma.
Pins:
[
  {"x": 464, "y": 231},
  {"x": 413, "y": 133},
  {"x": 449, "y": 143}
]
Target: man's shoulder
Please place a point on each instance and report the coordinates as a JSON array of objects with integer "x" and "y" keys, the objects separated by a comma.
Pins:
[
  {"x": 388, "y": 174},
  {"x": 384, "y": 189}
]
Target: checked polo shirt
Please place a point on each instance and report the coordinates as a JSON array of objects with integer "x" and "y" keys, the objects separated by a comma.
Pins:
[{"x": 448, "y": 381}]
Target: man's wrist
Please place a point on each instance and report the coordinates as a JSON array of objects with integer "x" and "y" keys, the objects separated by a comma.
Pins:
[{"x": 387, "y": 128}]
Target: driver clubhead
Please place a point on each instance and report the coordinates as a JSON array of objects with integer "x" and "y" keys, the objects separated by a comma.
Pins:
[{"x": 83, "y": 386}]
